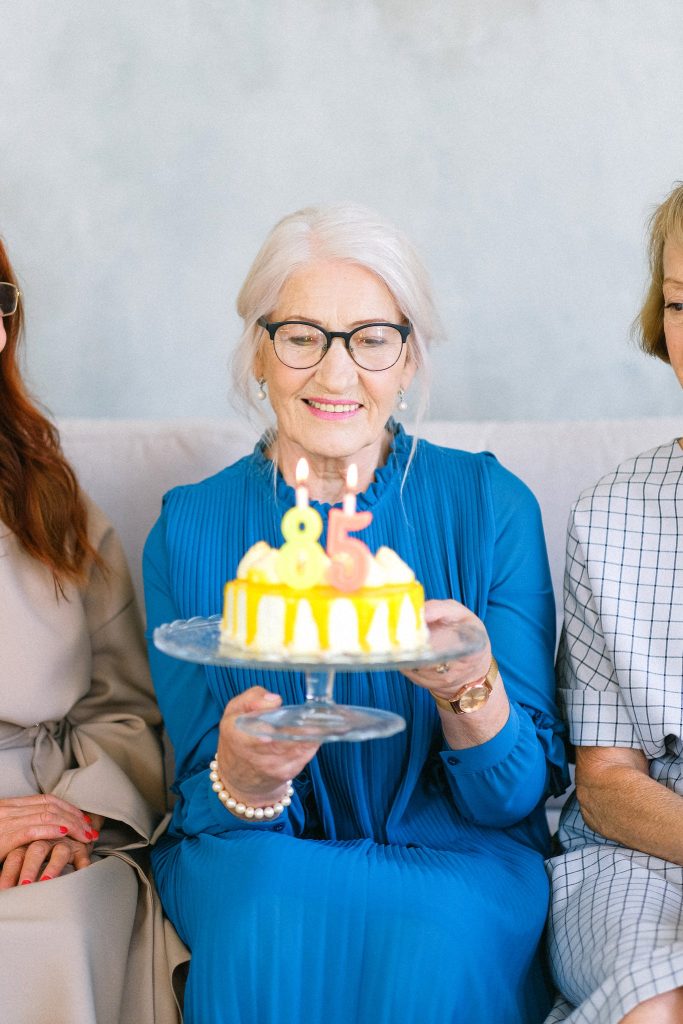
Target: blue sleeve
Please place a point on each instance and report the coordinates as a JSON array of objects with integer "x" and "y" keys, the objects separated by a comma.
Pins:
[
  {"x": 500, "y": 782},
  {"x": 191, "y": 716}
]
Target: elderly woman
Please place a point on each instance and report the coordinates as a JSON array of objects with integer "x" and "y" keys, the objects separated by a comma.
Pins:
[
  {"x": 81, "y": 779},
  {"x": 616, "y": 932},
  {"x": 405, "y": 880}
]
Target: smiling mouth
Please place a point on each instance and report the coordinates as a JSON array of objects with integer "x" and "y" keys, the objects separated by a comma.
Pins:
[{"x": 333, "y": 406}]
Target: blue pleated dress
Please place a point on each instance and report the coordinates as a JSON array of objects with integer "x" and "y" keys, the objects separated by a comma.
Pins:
[{"x": 405, "y": 884}]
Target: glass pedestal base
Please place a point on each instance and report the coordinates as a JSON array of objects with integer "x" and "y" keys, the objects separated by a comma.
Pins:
[{"x": 321, "y": 722}]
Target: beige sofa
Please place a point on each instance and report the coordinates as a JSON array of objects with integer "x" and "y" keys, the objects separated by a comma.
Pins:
[{"x": 126, "y": 466}]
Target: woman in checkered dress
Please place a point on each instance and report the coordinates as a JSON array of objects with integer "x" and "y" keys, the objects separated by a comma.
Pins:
[{"x": 616, "y": 923}]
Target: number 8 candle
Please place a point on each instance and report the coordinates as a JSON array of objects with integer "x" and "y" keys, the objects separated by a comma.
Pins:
[
  {"x": 301, "y": 560},
  {"x": 301, "y": 488}
]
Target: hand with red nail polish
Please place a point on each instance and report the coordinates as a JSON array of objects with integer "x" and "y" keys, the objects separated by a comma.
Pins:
[
  {"x": 40, "y": 835},
  {"x": 94, "y": 823}
]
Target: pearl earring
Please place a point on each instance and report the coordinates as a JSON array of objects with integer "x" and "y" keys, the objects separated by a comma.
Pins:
[
  {"x": 261, "y": 393},
  {"x": 402, "y": 404}
]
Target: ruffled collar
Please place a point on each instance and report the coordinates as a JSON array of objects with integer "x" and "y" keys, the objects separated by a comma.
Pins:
[{"x": 386, "y": 477}]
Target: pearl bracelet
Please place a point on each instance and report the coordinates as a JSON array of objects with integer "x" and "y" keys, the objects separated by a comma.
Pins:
[{"x": 237, "y": 807}]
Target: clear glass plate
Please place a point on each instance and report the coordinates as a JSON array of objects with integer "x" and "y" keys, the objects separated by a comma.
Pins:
[
  {"x": 199, "y": 640},
  {"x": 319, "y": 719}
]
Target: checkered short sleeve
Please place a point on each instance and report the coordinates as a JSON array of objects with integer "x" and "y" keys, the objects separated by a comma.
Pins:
[
  {"x": 619, "y": 662},
  {"x": 588, "y": 690}
]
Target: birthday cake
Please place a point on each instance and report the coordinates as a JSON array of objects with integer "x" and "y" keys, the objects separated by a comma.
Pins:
[{"x": 264, "y": 613}]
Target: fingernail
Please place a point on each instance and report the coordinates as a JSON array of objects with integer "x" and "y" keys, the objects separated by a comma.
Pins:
[
  {"x": 63, "y": 829},
  {"x": 88, "y": 835},
  {"x": 270, "y": 697},
  {"x": 26, "y": 881},
  {"x": 95, "y": 834},
  {"x": 88, "y": 818},
  {"x": 46, "y": 878}
]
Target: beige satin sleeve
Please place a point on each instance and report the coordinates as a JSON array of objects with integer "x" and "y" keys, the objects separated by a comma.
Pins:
[{"x": 114, "y": 729}]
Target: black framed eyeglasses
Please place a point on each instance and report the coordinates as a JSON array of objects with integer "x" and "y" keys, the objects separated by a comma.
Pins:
[
  {"x": 300, "y": 345},
  {"x": 9, "y": 298}
]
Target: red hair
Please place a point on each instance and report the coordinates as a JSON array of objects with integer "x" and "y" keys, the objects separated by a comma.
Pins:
[{"x": 40, "y": 500}]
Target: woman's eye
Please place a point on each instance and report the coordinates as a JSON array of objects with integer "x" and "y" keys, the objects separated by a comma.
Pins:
[
  {"x": 676, "y": 306},
  {"x": 301, "y": 340},
  {"x": 371, "y": 340}
]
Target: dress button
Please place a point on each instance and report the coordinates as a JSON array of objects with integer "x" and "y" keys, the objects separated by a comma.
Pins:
[
  {"x": 453, "y": 760},
  {"x": 278, "y": 828}
]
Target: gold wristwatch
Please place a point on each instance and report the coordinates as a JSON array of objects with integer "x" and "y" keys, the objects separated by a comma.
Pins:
[{"x": 472, "y": 696}]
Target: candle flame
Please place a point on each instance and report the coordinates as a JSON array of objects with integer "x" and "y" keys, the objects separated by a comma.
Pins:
[
  {"x": 301, "y": 471},
  {"x": 352, "y": 477}
]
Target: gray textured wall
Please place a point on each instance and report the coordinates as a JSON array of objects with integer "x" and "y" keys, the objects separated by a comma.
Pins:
[{"x": 147, "y": 147}]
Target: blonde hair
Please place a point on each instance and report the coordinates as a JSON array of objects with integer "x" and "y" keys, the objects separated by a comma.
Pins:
[
  {"x": 665, "y": 224},
  {"x": 353, "y": 234}
]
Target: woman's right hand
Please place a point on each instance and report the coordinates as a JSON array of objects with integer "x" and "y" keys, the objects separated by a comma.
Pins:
[
  {"x": 253, "y": 770},
  {"x": 37, "y": 822}
]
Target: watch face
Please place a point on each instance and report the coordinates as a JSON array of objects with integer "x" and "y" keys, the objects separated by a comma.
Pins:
[{"x": 475, "y": 698}]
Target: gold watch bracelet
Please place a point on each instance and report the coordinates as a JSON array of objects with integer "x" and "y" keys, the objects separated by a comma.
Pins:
[{"x": 485, "y": 682}]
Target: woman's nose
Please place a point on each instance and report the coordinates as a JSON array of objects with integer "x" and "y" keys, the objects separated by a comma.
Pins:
[{"x": 337, "y": 367}]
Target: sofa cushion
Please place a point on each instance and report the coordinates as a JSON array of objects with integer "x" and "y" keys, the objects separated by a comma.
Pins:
[{"x": 127, "y": 465}]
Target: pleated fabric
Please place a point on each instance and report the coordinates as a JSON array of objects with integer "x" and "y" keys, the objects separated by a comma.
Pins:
[
  {"x": 406, "y": 882},
  {"x": 354, "y": 931}
]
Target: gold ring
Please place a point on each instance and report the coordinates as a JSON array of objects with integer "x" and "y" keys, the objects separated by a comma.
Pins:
[{"x": 443, "y": 667}]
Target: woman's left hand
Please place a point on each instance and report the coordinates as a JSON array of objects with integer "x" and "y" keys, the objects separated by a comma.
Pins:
[
  {"x": 46, "y": 859},
  {"x": 445, "y": 678}
]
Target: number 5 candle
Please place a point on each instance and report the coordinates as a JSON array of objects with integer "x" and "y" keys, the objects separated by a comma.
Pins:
[{"x": 351, "y": 558}]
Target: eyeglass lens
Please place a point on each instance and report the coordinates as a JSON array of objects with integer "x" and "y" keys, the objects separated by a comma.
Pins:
[
  {"x": 8, "y": 298},
  {"x": 372, "y": 347}
]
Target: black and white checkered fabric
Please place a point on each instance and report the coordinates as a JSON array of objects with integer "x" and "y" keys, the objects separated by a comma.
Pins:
[{"x": 616, "y": 923}]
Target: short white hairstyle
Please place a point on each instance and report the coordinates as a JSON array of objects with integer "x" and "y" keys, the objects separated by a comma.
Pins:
[{"x": 352, "y": 234}]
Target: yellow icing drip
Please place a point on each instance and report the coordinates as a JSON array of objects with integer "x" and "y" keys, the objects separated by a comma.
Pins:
[{"x": 365, "y": 602}]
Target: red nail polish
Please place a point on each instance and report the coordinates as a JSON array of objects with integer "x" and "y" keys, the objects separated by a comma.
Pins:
[
  {"x": 95, "y": 834},
  {"x": 26, "y": 881},
  {"x": 63, "y": 829},
  {"x": 88, "y": 818},
  {"x": 88, "y": 835},
  {"x": 46, "y": 878}
]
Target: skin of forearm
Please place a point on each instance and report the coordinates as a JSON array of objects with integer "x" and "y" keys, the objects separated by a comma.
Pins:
[{"x": 625, "y": 804}]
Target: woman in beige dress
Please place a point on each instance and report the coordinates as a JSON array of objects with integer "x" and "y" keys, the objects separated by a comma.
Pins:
[{"x": 81, "y": 779}]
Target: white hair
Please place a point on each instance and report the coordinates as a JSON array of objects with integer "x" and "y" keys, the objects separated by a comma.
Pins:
[{"x": 353, "y": 234}]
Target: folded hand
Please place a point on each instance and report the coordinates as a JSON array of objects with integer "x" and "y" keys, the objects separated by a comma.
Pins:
[{"x": 40, "y": 835}]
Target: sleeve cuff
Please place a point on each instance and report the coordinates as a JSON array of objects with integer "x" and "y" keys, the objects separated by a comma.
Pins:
[
  {"x": 597, "y": 718},
  {"x": 228, "y": 821},
  {"x": 488, "y": 754},
  {"x": 199, "y": 810},
  {"x": 102, "y": 788},
  {"x": 500, "y": 782}
]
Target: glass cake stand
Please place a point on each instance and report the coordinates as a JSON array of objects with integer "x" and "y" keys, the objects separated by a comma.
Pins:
[{"x": 318, "y": 719}]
